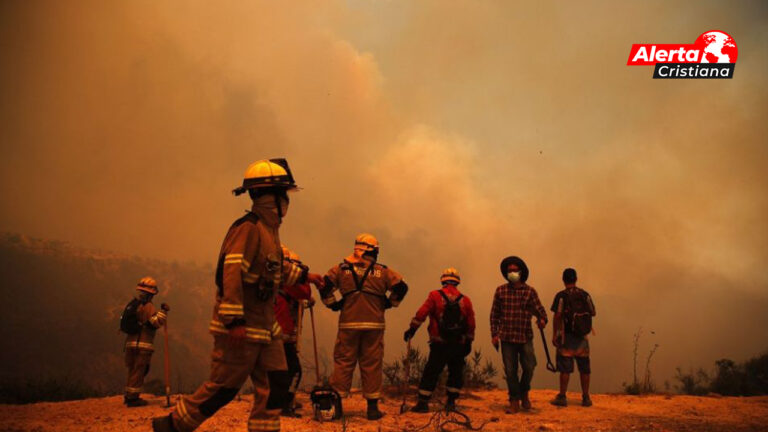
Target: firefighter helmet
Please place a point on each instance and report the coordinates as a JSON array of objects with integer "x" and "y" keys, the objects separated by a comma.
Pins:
[
  {"x": 289, "y": 254},
  {"x": 147, "y": 284},
  {"x": 367, "y": 244},
  {"x": 451, "y": 276},
  {"x": 272, "y": 173}
]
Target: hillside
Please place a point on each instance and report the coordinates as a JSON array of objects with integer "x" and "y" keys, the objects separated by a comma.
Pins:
[
  {"x": 60, "y": 308},
  {"x": 610, "y": 413}
]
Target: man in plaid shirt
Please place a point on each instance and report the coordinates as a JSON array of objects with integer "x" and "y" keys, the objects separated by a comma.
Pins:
[{"x": 514, "y": 304}]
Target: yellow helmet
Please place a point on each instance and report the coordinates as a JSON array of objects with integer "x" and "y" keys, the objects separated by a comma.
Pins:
[
  {"x": 367, "y": 245},
  {"x": 273, "y": 173},
  {"x": 450, "y": 275},
  {"x": 147, "y": 284},
  {"x": 289, "y": 254}
]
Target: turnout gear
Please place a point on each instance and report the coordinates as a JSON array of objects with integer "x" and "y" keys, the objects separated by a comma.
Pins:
[
  {"x": 451, "y": 332},
  {"x": 139, "y": 346},
  {"x": 363, "y": 284},
  {"x": 249, "y": 271},
  {"x": 283, "y": 384}
]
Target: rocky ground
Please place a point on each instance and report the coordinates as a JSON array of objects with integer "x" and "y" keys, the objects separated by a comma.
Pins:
[{"x": 609, "y": 413}]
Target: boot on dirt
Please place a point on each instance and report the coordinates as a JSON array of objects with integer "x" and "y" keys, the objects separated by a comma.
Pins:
[
  {"x": 289, "y": 412},
  {"x": 422, "y": 406},
  {"x": 135, "y": 402},
  {"x": 586, "y": 401},
  {"x": 560, "y": 400},
  {"x": 514, "y": 407},
  {"x": 526, "y": 402},
  {"x": 163, "y": 424},
  {"x": 450, "y": 404},
  {"x": 373, "y": 412}
]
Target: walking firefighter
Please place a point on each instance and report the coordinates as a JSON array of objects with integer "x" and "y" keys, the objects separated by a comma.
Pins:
[
  {"x": 139, "y": 321},
  {"x": 247, "y": 339},
  {"x": 288, "y": 309},
  {"x": 451, "y": 332},
  {"x": 363, "y": 284}
]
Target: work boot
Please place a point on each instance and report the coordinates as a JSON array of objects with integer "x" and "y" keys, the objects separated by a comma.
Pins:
[
  {"x": 586, "y": 401},
  {"x": 289, "y": 412},
  {"x": 560, "y": 400},
  {"x": 135, "y": 402},
  {"x": 373, "y": 410},
  {"x": 422, "y": 406},
  {"x": 526, "y": 402},
  {"x": 514, "y": 406},
  {"x": 163, "y": 424},
  {"x": 450, "y": 405}
]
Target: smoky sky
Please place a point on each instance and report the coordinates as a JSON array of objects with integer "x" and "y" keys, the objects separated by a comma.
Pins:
[{"x": 457, "y": 132}]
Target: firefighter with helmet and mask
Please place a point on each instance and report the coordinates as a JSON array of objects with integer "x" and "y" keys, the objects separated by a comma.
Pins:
[
  {"x": 363, "y": 285},
  {"x": 247, "y": 338},
  {"x": 451, "y": 332},
  {"x": 140, "y": 321}
]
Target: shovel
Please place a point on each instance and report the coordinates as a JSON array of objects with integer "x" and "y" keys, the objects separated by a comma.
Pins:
[
  {"x": 550, "y": 366},
  {"x": 407, "y": 365}
]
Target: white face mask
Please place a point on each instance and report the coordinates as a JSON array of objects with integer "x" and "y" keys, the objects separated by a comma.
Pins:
[{"x": 513, "y": 276}]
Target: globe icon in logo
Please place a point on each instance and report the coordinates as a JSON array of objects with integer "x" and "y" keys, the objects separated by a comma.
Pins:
[{"x": 717, "y": 47}]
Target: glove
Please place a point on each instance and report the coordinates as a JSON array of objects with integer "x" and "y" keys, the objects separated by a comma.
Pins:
[
  {"x": 467, "y": 348},
  {"x": 337, "y": 306},
  {"x": 165, "y": 307},
  {"x": 408, "y": 335},
  {"x": 387, "y": 303},
  {"x": 495, "y": 342},
  {"x": 311, "y": 302}
]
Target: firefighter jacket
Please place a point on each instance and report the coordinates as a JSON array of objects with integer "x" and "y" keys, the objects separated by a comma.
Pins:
[
  {"x": 433, "y": 308},
  {"x": 363, "y": 286},
  {"x": 287, "y": 309},
  {"x": 249, "y": 272},
  {"x": 150, "y": 320}
]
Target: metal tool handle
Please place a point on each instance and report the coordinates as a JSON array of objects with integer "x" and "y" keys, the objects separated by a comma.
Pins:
[
  {"x": 167, "y": 367},
  {"x": 314, "y": 343}
]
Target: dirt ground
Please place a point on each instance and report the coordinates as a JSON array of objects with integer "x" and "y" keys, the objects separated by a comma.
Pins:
[{"x": 609, "y": 413}]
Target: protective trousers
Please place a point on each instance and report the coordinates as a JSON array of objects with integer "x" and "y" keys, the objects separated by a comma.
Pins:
[
  {"x": 440, "y": 356},
  {"x": 283, "y": 384},
  {"x": 229, "y": 369},
  {"x": 137, "y": 362},
  {"x": 358, "y": 346}
]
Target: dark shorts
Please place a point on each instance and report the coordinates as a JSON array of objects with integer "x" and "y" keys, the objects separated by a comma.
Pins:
[{"x": 565, "y": 364}]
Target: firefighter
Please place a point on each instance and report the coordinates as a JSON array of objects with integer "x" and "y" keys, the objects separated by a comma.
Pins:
[
  {"x": 139, "y": 343},
  {"x": 363, "y": 284},
  {"x": 451, "y": 332},
  {"x": 288, "y": 308},
  {"x": 247, "y": 339}
]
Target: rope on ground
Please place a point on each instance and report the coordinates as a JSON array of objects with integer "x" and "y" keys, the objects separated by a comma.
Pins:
[{"x": 441, "y": 420}]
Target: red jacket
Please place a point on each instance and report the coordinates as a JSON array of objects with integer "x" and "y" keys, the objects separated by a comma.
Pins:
[
  {"x": 433, "y": 308},
  {"x": 287, "y": 308}
]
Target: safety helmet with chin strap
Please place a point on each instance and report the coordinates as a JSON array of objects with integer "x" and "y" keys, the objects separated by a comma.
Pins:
[
  {"x": 267, "y": 174},
  {"x": 368, "y": 245},
  {"x": 450, "y": 276},
  {"x": 148, "y": 285}
]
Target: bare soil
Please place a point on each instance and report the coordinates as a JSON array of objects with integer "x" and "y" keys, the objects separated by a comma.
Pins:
[{"x": 609, "y": 413}]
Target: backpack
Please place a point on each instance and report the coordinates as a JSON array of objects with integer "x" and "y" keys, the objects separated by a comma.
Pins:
[
  {"x": 452, "y": 324},
  {"x": 129, "y": 320},
  {"x": 578, "y": 313}
]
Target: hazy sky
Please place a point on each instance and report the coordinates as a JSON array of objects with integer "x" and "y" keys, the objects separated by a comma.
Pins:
[{"x": 457, "y": 132}]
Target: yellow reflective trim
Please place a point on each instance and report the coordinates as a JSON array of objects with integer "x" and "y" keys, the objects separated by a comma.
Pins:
[
  {"x": 376, "y": 395},
  {"x": 329, "y": 300},
  {"x": 233, "y": 261},
  {"x": 181, "y": 410},
  {"x": 425, "y": 392},
  {"x": 452, "y": 390},
  {"x": 234, "y": 255},
  {"x": 362, "y": 326},
  {"x": 250, "y": 277},
  {"x": 140, "y": 345},
  {"x": 133, "y": 389}
]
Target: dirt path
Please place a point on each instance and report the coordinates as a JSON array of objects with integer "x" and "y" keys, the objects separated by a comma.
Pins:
[{"x": 609, "y": 413}]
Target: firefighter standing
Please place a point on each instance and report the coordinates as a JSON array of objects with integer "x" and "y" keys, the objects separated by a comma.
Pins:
[
  {"x": 283, "y": 384},
  {"x": 451, "y": 332},
  {"x": 247, "y": 340},
  {"x": 363, "y": 284},
  {"x": 141, "y": 314}
]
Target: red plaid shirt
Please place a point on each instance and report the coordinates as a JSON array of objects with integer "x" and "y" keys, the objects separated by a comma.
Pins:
[{"x": 512, "y": 311}]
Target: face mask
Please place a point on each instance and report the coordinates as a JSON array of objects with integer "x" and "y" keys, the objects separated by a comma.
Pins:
[
  {"x": 513, "y": 276},
  {"x": 283, "y": 206}
]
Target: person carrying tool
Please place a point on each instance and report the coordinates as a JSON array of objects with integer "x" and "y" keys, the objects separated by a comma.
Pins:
[
  {"x": 574, "y": 309},
  {"x": 514, "y": 304},
  {"x": 249, "y": 271},
  {"x": 140, "y": 321},
  {"x": 451, "y": 332},
  {"x": 283, "y": 384},
  {"x": 363, "y": 284}
]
